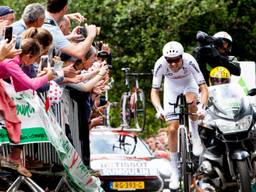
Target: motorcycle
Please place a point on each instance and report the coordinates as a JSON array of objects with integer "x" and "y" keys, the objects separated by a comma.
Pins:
[{"x": 228, "y": 132}]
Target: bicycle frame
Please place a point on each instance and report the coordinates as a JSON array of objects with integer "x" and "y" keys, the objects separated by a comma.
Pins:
[
  {"x": 133, "y": 103},
  {"x": 185, "y": 162}
]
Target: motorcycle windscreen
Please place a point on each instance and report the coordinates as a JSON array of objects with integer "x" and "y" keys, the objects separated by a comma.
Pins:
[{"x": 227, "y": 100}]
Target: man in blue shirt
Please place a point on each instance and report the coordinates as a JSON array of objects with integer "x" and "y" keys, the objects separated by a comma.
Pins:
[{"x": 56, "y": 9}]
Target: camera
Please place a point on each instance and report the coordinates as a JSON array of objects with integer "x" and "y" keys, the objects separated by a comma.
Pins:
[
  {"x": 107, "y": 57},
  {"x": 103, "y": 100},
  {"x": 103, "y": 54},
  {"x": 83, "y": 31}
]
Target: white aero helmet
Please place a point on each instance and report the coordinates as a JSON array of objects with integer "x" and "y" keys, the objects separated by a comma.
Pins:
[
  {"x": 223, "y": 35},
  {"x": 173, "y": 49}
]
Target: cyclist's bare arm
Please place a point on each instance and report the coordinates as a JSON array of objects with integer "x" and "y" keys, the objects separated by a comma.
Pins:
[
  {"x": 155, "y": 99},
  {"x": 204, "y": 101},
  {"x": 204, "y": 94}
]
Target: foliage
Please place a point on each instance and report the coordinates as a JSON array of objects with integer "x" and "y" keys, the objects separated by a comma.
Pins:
[{"x": 137, "y": 30}]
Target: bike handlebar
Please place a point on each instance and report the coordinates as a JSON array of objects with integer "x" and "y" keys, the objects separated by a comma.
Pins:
[
  {"x": 183, "y": 113},
  {"x": 127, "y": 69},
  {"x": 139, "y": 74}
]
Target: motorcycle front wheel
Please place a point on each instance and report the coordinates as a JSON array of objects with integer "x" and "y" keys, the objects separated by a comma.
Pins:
[{"x": 244, "y": 176}]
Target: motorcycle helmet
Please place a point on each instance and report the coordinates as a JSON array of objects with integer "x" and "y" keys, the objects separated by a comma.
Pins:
[
  {"x": 173, "y": 49},
  {"x": 223, "y": 35},
  {"x": 223, "y": 40},
  {"x": 219, "y": 75}
]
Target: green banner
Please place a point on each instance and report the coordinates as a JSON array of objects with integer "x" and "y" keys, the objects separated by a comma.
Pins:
[{"x": 28, "y": 135}]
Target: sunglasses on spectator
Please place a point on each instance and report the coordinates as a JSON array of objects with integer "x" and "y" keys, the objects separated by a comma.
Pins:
[{"x": 171, "y": 60}]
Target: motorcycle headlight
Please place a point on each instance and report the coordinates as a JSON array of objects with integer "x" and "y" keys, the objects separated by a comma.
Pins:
[{"x": 226, "y": 126}]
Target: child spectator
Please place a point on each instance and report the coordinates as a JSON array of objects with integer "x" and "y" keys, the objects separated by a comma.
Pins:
[{"x": 31, "y": 50}]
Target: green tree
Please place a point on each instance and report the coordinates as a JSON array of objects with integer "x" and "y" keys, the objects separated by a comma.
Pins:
[{"x": 137, "y": 30}]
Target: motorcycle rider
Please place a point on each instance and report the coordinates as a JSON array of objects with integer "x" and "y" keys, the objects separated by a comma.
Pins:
[
  {"x": 181, "y": 75},
  {"x": 226, "y": 145},
  {"x": 214, "y": 51},
  {"x": 218, "y": 75}
]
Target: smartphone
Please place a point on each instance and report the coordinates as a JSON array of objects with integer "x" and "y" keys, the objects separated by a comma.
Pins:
[
  {"x": 58, "y": 68},
  {"x": 44, "y": 62},
  {"x": 8, "y": 33}
]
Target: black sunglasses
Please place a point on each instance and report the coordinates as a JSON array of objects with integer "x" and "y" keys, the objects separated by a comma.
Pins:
[{"x": 171, "y": 60}]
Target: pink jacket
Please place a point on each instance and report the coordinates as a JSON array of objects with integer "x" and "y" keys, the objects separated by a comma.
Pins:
[
  {"x": 8, "y": 110},
  {"x": 11, "y": 68}
]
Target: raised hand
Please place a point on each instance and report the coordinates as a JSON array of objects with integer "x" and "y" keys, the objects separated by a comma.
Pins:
[{"x": 7, "y": 50}]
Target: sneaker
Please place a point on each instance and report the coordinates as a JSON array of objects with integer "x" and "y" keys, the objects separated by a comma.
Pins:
[{"x": 197, "y": 147}]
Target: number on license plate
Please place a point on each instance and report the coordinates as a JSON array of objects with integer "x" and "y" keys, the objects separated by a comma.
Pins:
[{"x": 128, "y": 185}]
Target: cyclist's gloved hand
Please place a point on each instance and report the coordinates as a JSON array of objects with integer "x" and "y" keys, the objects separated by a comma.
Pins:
[
  {"x": 201, "y": 111},
  {"x": 160, "y": 113}
]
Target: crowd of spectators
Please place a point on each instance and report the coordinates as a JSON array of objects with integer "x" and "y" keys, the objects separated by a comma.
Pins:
[
  {"x": 158, "y": 143},
  {"x": 44, "y": 51}
]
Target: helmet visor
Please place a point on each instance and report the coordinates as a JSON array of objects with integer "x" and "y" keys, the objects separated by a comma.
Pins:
[
  {"x": 173, "y": 60},
  {"x": 219, "y": 81}
]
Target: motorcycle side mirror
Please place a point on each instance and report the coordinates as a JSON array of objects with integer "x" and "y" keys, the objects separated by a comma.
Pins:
[{"x": 252, "y": 92}]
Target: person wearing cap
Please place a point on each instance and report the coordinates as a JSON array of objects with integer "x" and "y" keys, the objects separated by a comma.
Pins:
[
  {"x": 215, "y": 51},
  {"x": 7, "y": 17}
]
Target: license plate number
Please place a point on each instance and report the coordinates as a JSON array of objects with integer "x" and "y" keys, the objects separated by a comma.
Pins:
[{"x": 128, "y": 185}]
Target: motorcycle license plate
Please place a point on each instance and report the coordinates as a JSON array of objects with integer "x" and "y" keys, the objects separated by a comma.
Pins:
[{"x": 127, "y": 185}]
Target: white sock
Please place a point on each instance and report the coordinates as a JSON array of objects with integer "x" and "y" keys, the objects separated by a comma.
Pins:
[
  {"x": 174, "y": 163},
  {"x": 194, "y": 129},
  {"x": 174, "y": 159}
]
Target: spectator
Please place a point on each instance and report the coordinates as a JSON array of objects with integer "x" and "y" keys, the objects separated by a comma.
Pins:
[
  {"x": 7, "y": 17},
  {"x": 81, "y": 93},
  {"x": 7, "y": 50},
  {"x": 73, "y": 36},
  {"x": 151, "y": 142},
  {"x": 163, "y": 138},
  {"x": 56, "y": 9},
  {"x": 11, "y": 68},
  {"x": 33, "y": 16},
  {"x": 31, "y": 50}
]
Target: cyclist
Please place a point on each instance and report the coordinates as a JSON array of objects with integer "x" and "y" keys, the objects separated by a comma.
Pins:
[
  {"x": 181, "y": 75},
  {"x": 214, "y": 51}
]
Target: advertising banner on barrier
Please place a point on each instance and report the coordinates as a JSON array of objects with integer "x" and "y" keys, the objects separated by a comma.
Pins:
[{"x": 39, "y": 126}]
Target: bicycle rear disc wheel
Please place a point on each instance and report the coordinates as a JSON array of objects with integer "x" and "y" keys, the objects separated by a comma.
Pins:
[
  {"x": 186, "y": 177},
  {"x": 140, "y": 110}
]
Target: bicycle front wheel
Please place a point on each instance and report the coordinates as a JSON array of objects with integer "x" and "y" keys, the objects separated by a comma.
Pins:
[{"x": 184, "y": 160}]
